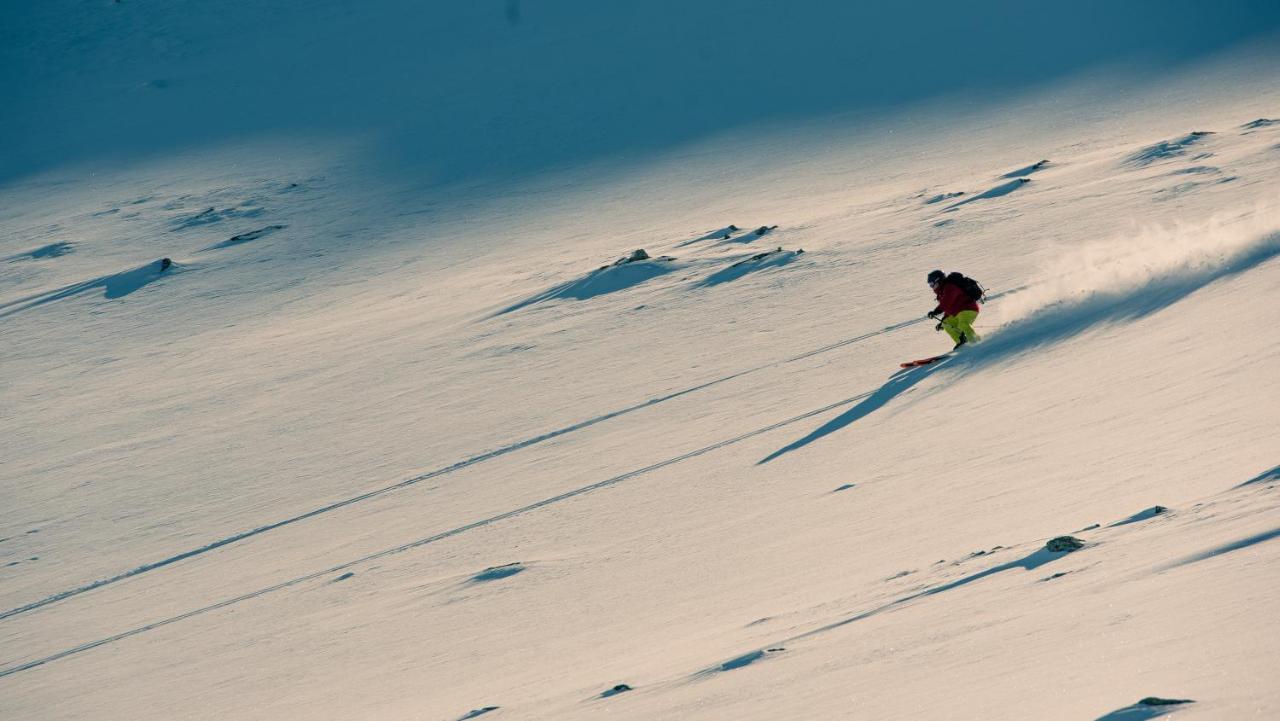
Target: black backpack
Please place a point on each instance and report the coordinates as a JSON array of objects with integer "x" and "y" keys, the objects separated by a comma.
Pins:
[{"x": 970, "y": 286}]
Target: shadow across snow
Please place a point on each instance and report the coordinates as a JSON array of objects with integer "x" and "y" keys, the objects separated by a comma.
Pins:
[
  {"x": 246, "y": 237},
  {"x": 996, "y": 192},
  {"x": 602, "y": 281},
  {"x": 53, "y": 250},
  {"x": 1147, "y": 708},
  {"x": 1259, "y": 123},
  {"x": 899, "y": 383},
  {"x": 1142, "y": 515},
  {"x": 116, "y": 285},
  {"x": 738, "y": 662},
  {"x": 760, "y": 261},
  {"x": 1029, "y": 562},
  {"x": 938, "y": 198},
  {"x": 1271, "y": 475},
  {"x": 1225, "y": 548},
  {"x": 721, "y": 234},
  {"x": 494, "y": 573},
  {"x": 1028, "y": 170},
  {"x": 748, "y": 237},
  {"x": 1166, "y": 149},
  {"x": 209, "y": 216}
]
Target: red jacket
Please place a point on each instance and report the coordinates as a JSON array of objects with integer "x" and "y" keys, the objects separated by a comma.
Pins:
[{"x": 952, "y": 299}]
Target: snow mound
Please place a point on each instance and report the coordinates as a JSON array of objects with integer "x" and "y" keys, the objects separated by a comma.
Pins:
[
  {"x": 626, "y": 272},
  {"x": 1167, "y": 149}
]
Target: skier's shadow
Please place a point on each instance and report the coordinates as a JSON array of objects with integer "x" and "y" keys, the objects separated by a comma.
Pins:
[{"x": 897, "y": 384}]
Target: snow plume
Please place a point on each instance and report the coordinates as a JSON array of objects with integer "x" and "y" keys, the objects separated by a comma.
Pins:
[{"x": 1131, "y": 276}]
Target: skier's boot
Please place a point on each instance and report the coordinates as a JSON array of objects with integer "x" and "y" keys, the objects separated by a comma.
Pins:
[{"x": 963, "y": 339}]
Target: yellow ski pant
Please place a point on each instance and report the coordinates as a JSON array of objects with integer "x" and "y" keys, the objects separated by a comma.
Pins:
[{"x": 961, "y": 324}]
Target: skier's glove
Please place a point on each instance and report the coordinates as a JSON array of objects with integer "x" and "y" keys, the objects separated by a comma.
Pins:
[
  {"x": 938, "y": 327},
  {"x": 932, "y": 314}
]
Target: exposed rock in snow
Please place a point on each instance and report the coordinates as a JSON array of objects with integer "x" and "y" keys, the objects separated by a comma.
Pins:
[{"x": 1064, "y": 544}]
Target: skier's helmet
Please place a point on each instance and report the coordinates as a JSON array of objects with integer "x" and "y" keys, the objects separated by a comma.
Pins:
[{"x": 936, "y": 277}]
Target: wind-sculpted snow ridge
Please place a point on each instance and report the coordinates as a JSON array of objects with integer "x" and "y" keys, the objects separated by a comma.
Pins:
[
  {"x": 1264, "y": 477},
  {"x": 1128, "y": 278},
  {"x": 775, "y": 258},
  {"x": 1166, "y": 148},
  {"x": 719, "y": 234},
  {"x": 995, "y": 192},
  {"x": 1260, "y": 123},
  {"x": 1025, "y": 171},
  {"x": 622, "y": 274},
  {"x": 246, "y": 237}
]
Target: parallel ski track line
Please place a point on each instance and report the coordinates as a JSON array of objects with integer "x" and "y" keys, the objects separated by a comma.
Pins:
[
  {"x": 431, "y": 539},
  {"x": 519, "y": 445}
]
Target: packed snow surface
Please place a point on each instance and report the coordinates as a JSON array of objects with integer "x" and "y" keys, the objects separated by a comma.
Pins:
[{"x": 332, "y": 386}]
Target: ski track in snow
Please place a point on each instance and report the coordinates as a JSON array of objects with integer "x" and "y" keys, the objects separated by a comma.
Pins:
[
  {"x": 473, "y": 460},
  {"x": 1030, "y": 562},
  {"x": 425, "y": 541}
]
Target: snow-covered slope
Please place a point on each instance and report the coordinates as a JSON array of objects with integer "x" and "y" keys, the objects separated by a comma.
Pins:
[{"x": 394, "y": 436}]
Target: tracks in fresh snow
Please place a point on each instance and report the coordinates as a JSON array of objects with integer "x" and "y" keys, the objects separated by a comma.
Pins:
[
  {"x": 473, "y": 460},
  {"x": 431, "y": 539}
]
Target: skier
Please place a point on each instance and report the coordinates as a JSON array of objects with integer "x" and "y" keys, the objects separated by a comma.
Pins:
[{"x": 956, "y": 305}]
